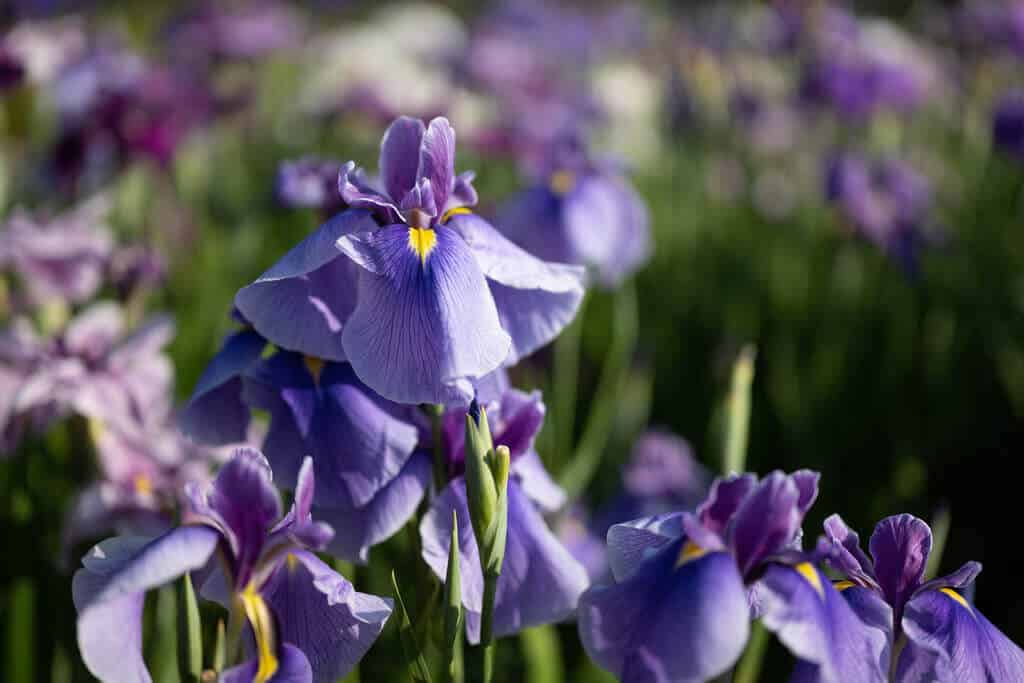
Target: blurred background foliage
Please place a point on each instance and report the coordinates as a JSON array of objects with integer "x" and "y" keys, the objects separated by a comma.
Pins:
[{"x": 904, "y": 388}]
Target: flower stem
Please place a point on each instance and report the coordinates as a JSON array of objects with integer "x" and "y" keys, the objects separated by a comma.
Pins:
[
  {"x": 436, "y": 411},
  {"x": 749, "y": 667}
]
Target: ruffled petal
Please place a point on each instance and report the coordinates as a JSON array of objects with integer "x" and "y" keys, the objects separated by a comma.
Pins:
[
  {"x": 302, "y": 302},
  {"x": 319, "y": 612},
  {"x": 767, "y": 521},
  {"x": 632, "y": 543},
  {"x": 357, "y": 529},
  {"x": 216, "y": 414},
  {"x": 725, "y": 497},
  {"x": 811, "y": 618},
  {"x": 846, "y": 554},
  {"x": 535, "y": 299},
  {"x": 425, "y": 323},
  {"x": 950, "y": 640},
  {"x": 900, "y": 546},
  {"x": 675, "y": 622}
]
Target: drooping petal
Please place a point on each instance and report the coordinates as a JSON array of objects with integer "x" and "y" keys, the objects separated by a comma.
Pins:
[
  {"x": 540, "y": 581},
  {"x": 846, "y": 554},
  {"x": 685, "y": 623},
  {"x": 109, "y": 592},
  {"x": 535, "y": 299},
  {"x": 359, "y": 193},
  {"x": 632, "y": 543},
  {"x": 357, "y": 529},
  {"x": 900, "y": 546},
  {"x": 357, "y": 444},
  {"x": 950, "y": 640},
  {"x": 437, "y": 159},
  {"x": 400, "y": 156},
  {"x": 425, "y": 324},
  {"x": 961, "y": 578},
  {"x": 292, "y": 667},
  {"x": 319, "y": 612},
  {"x": 537, "y": 484},
  {"x": 303, "y": 300},
  {"x": 810, "y": 617},
  {"x": 215, "y": 414}
]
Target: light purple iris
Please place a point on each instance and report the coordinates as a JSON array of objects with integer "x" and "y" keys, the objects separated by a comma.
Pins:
[
  {"x": 540, "y": 581},
  {"x": 307, "y": 623},
  {"x": 421, "y": 297},
  {"x": 934, "y": 632},
  {"x": 888, "y": 202},
  {"x": 686, "y": 586},
  {"x": 310, "y": 183},
  {"x": 582, "y": 211},
  {"x": 63, "y": 259}
]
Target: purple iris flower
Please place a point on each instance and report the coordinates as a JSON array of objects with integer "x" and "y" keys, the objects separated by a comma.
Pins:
[
  {"x": 662, "y": 476},
  {"x": 421, "y": 297},
  {"x": 12, "y": 71},
  {"x": 888, "y": 202},
  {"x": 582, "y": 211},
  {"x": 934, "y": 632},
  {"x": 370, "y": 480},
  {"x": 60, "y": 260},
  {"x": 540, "y": 581},
  {"x": 306, "y": 622},
  {"x": 310, "y": 183},
  {"x": 213, "y": 31},
  {"x": 686, "y": 586},
  {"x": 1008, "y": 124}
]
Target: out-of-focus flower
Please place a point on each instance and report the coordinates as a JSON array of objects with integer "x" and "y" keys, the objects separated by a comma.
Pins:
[
  {"x": 934, "y": 632},
  {"x": 12, "y": 71},
  {"x": 401, "y": 60},
  {"x": 581, "y": 211},
  {"x": 215, "y": 31},
  {"x": 887, "y": 202},
  {"x": 679, "y": 609},
  {"x": 305, "y": 619},
  {"x": 421, "y": 297},
  {"x": 369, "y": 480},
  {"x": 540, "y": 581},
  {"x": 310, "y": 183},
  {"x": 43, "y": 48},
  {"x": 1008, "y": 124},
  {"x": 60, "y": 260}
]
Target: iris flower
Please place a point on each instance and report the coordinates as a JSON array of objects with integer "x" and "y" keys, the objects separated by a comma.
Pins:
[
  {"x": 540, "y": 582},
  {"x": 306, "y": 622},
  {"x": 419, "y": 295},
  {"x": 687, "y": 585},
  {"x": 934, "y": 632}
]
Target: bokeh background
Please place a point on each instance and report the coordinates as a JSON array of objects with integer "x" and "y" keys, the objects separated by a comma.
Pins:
[{"x": 841, "y": 186}]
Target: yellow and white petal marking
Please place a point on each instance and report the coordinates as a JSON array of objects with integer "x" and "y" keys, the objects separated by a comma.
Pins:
[
  {"x": 422, "y": 241},
  {"x": 957, "y": 598},
  {"x": 810, "y": 574},
  {"x": 690, "y": 552},
  {"x": 457, "y": 211},
  {"x": 562, "y": 182},
  {"x": 262, "y": 623}
]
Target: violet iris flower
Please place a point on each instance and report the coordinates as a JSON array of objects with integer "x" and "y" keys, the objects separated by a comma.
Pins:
[
  {"x": 1008, "y": 123},
  {"x": 887, "y": 202},
  {"x": 307, "y": 623},
  {"x": 934, "y": 632},
  {"x": 540, "y": 581},
  {"x": 581, "y": 211},
  {"x": 419, "y": 295},
  {"x": 686, "y": 587},
  {"x": 310, "y": 183}
]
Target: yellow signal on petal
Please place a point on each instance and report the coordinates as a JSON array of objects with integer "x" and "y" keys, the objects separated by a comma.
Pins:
[
  {"x": 457, "y": 211},
  {"x": 843, "y": 585},
  {"x": 143, "y": 485},
  {"x": 314, "y": 365},
  {"x": 807, "y": 570},
  {"x": 691, "y": 551},
  {"x": 956, "y": 597},
  {"x": 258, "y": 614},
  {"x": 562, "y": 182},
  {"x": 422, "y": 241}
]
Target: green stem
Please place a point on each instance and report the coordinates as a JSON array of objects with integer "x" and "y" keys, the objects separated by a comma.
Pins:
[
  {"x": 543, "y": 654},
  {"x": 580, "y": 470},
  {"x": 190, "y": 634},
  {"x": 480, "y": 663},
  {"x": 435, "y": 412},
  {"x": 749, "y": 667},
  {"x": 566, "y": 378},
  {"x": 738, "y": 413}
]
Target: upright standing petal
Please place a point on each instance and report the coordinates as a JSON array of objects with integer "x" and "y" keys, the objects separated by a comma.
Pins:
[
  {"x": 425, "y": 323},
  {"x": 900, "y": 546},
  {"x": 437, "y": 160},
  {"x": 766, "y": 521},
  {"x": 400, "y": 156}
]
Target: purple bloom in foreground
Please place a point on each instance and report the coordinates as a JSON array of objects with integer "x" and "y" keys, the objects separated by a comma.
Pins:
[
  {"x": 582, "y": 211},
  {"x": 421, "y": 297},
  {"x": 1008, "y": 124},
  {"x": 686, "y": 586},
  {"x": 307, "y": 623},
  {"x": 888, "y": 203},
  {"x": 934, "y": 632},
  {"x": 540, "y": 581}
]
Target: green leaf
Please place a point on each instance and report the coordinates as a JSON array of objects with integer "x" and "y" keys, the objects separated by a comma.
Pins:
[
  {"x": 453, "y": 601},
  {"x": 734, "y": 455},
  {"x": 220, "y": 648},
  {"x": 190, "y": 632},
  {"x": 543, "y": 654},
  {"x": 418, "y": 668}
]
